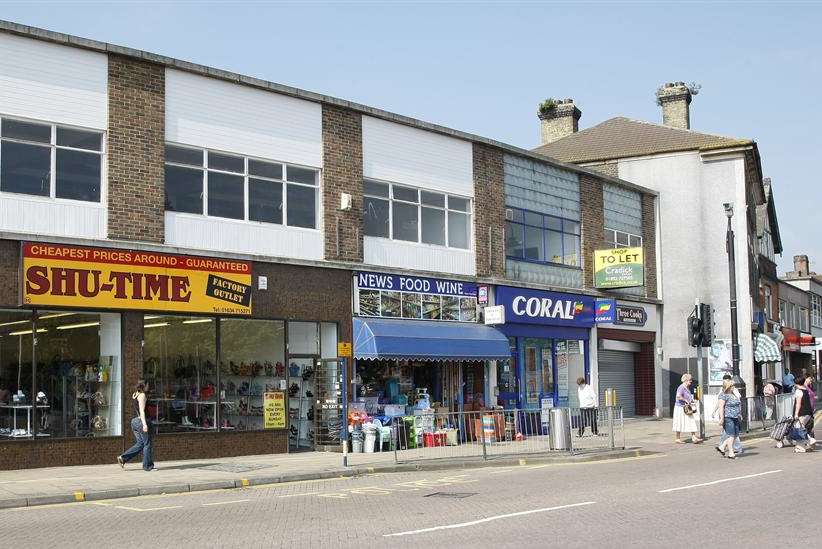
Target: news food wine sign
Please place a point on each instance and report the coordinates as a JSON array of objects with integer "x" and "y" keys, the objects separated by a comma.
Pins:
[{"x": 105, "y": 278}]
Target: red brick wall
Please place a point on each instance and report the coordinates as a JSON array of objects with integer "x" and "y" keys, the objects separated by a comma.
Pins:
[
  {"x": 136, "y": 136},
  {"x": 649, "y": 243},
  {"x": 489, "y": 210},
  {"x": 644, "y": 379},
  {"x": 9, "y": 273},
  {"x": 591, "y": 205},
  {"x": 342, "y": 173}
]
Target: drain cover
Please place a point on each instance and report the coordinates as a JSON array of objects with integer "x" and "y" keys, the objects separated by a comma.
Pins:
[{"x": 455, "y": 495}]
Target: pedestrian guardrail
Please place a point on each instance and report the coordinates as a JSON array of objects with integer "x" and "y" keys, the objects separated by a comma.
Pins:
[
  {"x": 493, "y": 433},
  {"x": 764, "y": 411}
]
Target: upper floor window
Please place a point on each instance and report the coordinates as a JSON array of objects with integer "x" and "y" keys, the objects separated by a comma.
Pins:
[
  {"x": 50, "y": 161},
  {"x": 803, "y": 319},
  {"x": 621, "y": 239},
  {"x": 783, "y": 312},
  {"x": 816, "y": 311},
  {"x": 413, "y": 215},
  {"x": 767, "y": 305},
  {"x": 237, "y": 187},
  {"x": 766, "y": 245},
  {"x": 532, "y": 236}
]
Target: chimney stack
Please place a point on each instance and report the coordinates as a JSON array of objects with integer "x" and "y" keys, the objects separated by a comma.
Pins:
[
  {"x": 559, "y": 119},
  {"x": 675, "y": 100},
  {"x": 800, "y": 265}
]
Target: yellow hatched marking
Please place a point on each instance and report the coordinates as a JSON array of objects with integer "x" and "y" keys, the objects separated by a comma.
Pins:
[{"x": 79, "y": 496}]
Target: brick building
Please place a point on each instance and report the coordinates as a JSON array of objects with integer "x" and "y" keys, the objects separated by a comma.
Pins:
[{"x": 219, "y": 236}]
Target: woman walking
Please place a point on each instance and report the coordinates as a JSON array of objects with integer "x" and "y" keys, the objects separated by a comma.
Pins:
[
  {"x": 140, "y": 427},
  {"x": 804, "y": 411},
  {"x": 730, "y": 412},
  {"x": 685, "y": 415}
]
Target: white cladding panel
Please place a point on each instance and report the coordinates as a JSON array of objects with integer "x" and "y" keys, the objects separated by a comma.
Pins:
[
  {"x": 402, "y": 154},
  {"x": 22, "y": 214},
  {"x": 212, "y": 113},
  {"x": 205, "y": 233},
  {"x": 53, "y": 83},
  {"x": 419, "y": 257}
]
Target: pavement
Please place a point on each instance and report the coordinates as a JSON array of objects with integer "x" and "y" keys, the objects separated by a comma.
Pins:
[
  {"x": 681, "y": 497},
  {"x": 32, "y": 487}
]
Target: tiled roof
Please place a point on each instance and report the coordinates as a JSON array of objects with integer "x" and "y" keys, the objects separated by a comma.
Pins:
[{"x": 622, "y": 137}]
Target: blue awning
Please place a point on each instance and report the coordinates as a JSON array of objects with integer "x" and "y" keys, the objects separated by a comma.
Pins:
[{"x": 427, "y": 340}]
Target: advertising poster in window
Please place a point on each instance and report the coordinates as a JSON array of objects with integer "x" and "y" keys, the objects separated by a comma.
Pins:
[
  {"x": 274, "y": 410},
  {"x": 619, "y": 268},
  {"x": 562, "y": 373},
  {"x": 106, "y": 278}
]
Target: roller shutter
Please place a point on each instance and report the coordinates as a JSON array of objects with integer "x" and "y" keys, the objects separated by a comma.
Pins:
[{"x": 616, "y": 370}]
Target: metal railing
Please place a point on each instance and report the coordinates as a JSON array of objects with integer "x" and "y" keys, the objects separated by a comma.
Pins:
[
  {"x": 495, "y": 433},
  {"x": 762, "y": 412}
]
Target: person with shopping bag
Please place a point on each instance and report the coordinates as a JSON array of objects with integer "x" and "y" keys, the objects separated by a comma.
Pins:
[
  {"x": 803, "y": 413},
  {"x": 730, "y": 415}
]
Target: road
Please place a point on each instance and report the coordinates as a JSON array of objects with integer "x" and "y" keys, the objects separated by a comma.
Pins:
[{"x": 685, "y": 497}]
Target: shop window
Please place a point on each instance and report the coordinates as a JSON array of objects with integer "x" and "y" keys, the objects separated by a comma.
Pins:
[
  {"x": 15, "y": 373},
  {"x": 236, "y": 187},
  {"x": 539, "y": 238},
  {"x": 76, "y": 385},
  {"x": 303, "y": 338},
  {"x": 180, "y": 355},
  {"x": 252, "y": 362},
  {"x": 391, "y": 304},
  {"x": 50, "y": 161},
  {"x": 413, "y": 215}
]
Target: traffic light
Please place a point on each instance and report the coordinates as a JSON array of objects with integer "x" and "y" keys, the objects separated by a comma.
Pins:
[
  {"x": 706, "y": 317},
  {"x": 694, "y": 331}
]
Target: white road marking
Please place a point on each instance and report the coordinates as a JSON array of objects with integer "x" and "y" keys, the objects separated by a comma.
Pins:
[
  {"x": 720, "y": 481},
  {"x": 225, "y": 502},
  {"x": 488, "y": 519},
  {"x": 135, "y": 509}
]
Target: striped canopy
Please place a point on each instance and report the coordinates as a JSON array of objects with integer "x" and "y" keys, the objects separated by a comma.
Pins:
[{"x": 766, "y": 349}]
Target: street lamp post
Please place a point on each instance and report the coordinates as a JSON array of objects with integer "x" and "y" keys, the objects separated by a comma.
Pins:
[{"x": 729, "y": 245}]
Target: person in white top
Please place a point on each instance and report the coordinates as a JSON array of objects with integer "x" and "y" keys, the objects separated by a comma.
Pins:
[{"x": 588, "y": 403}]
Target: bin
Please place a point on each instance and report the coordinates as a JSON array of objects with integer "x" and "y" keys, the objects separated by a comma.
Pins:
[
  {"x": 356, "y": 442},
  {"x": 370, "y": 438},
  {"x": 559, "y": 425}
]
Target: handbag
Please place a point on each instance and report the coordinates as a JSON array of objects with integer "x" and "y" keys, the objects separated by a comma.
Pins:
[{"x": 689, "y": 409}]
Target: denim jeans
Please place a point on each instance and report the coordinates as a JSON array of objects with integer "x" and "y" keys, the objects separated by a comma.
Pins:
[
  {"x": 730, "y": 428},
  {"x": 142, "y": 444}
]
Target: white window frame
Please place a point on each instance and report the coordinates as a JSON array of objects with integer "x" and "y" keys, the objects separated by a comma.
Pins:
[
  {"x": 613, "y": 239},
  {"x": 766, "y": 245},
  {"x": 419, "y": 190},
  {"x": 783, "y": 312},
  {"x": 53, "y": 146},
  {"x": 803, "y": 319},
  {"x": 768, "y": 305},
  {"x": 816, "y": 311},
  {"x": 246, "y": 176}
]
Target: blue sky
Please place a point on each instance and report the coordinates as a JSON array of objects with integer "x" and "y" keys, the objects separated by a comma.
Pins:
[{"x": 483, "y": 66}]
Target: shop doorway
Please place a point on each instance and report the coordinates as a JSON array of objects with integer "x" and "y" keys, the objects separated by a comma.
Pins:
[
  {"x": 302, "y": 397},
  {"x": 328, "y": 404},
  {"x": 473, "y": 393}
]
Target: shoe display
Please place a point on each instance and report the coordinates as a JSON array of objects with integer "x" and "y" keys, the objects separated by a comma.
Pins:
[
  {"x": 293, "y": 390},
  {"x": 309, "y": 394}
]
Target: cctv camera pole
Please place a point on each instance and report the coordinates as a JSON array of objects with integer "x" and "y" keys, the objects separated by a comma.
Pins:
[{"x": 729, "y": 245}]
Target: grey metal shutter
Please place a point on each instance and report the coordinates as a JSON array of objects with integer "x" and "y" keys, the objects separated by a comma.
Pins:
[{"x": 616, "y": 370}]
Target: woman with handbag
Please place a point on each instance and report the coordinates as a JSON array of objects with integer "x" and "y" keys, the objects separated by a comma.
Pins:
[
  {"x": 685, "y": 416},
  {"x": 730, "y": 414}
]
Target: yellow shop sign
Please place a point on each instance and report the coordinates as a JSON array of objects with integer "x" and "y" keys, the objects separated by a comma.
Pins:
[
  {"x": 619, "y": 268},
  {"x": 78, "y": 276}
]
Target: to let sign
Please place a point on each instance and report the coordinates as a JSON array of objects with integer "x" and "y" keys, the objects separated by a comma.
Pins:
[
  {"x": 619, "y": 268},
  {"x": 106, "y": 278}
]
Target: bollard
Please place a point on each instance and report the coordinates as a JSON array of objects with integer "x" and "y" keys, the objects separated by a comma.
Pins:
[{"x": 611, "y": 440}]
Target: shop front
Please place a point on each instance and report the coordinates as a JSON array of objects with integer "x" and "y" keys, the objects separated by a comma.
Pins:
[
  {"x": 798, "y": 351},
  {"x": 236, "y": 354},
  {"x": 417, "y": 344},
  {"x": 626, "y": 336},
  {"x": 548, "y": 336}
]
